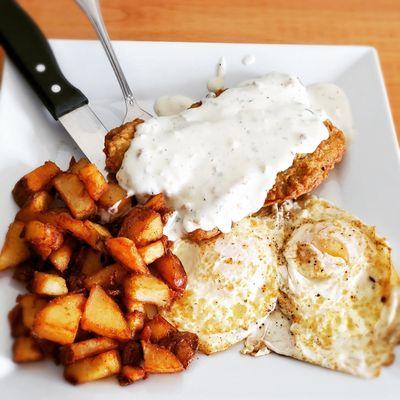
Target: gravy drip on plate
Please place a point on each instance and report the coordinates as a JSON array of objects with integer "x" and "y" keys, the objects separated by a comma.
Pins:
[
  {"x": 217, "y": 82},
  {"x": 171, "y": 105},
  {"x": 216, "y": 163},
  {"x": 248, "y": 59}
]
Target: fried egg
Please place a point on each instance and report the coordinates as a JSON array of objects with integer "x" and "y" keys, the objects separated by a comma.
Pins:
[
  {"x": 339, "y": 293},
  {"x": 232, "y": 282}
]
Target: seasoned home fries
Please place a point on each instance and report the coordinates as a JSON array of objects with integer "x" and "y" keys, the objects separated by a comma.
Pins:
[{"x": 98, "y": 270}]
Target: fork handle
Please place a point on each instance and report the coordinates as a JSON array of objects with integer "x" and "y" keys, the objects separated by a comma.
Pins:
[
  {"x": 28, "y": 48},
  {"x": 92, "y": 10}
]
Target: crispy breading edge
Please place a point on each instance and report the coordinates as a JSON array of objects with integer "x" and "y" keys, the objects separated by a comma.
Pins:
[
  {"x": 309, "y": 170},
  {"x": 306, "y": 173},
  {"x": 117, "y": 142}
]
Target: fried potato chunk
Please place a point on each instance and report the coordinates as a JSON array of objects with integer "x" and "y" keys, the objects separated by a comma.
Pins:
[
  {"x": 132, "y": 353},
  {"x": 76, "y": 166},
  {"x": 160, "y": 328},
  {"x": 158, "y": 360},
  {"x": 93, "y": 368},
  {"x": 114, "y": 203},
  {"x": 112, "y": 275},
  {"x": 86, "y": 231},
  {"x": 31, "y": 304},
  {"x": 152, "y": 251},
  {"x": 102, "y": 231},
  {"x": 147, "y": 289},
  {"x": 124, "y": 251},
  {"x": 89, "y": 233},
  {"x": 129, "y": 375},
  {"x": 61, "y": 257},
  {"x": 145, "y": 334},
  {"x": 54, "y": 217},
  {"x": 94, "y": 181},
  {"x": 35, "y": 181},
  {"x": 142, "y": 225},
  {"x": 89, "y": 261},
  {"x": 39, "y": 202},
  {"x": 117, "y": 142},
  {"x": 17, "y": 326},
  {"x": 171, "y": 270},
  {"x": 15, "y": 249},
  {"x": 86, "y": 348},
  {"x": 59, "y": 320},
  {"x": 25, "y": 349},
  {"x": 74, "y": 194},
  {"x": 156, "y": 202},
  {"x": 135, "y": 321},
  {"x": 133, "y": 305},
  {"x": 48, "y": 284},
  {"x": 183, "y": 344},
  {"x": 44, "y": 238},
  {"x": 103, "y": 316}
]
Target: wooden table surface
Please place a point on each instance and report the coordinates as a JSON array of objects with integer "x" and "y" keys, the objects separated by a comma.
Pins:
[{"x": 363, "y": 22}]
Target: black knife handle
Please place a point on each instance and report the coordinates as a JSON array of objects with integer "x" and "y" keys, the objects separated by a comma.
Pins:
[{"x": 27, "y": 47}]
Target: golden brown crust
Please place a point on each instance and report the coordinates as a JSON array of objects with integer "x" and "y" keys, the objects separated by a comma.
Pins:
[
  {"x": 117, "y": 142},
  {"x": 308, "y": 171},
  {"x": 199, "y": 235}
]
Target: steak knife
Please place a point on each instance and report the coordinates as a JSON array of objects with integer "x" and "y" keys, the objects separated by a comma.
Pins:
[{"x": 27, "y": 47}]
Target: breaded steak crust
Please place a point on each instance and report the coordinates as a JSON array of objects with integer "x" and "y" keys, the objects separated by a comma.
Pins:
[
  {"x": 117, "y": 142},
  {"x": 306, "y": 173},
  {"x": 309, "y": 170}
]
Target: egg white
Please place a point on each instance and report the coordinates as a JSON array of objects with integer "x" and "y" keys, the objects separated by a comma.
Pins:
[
  {"x": 232, "y": 283},
  {"x": 338, "y": 305}
]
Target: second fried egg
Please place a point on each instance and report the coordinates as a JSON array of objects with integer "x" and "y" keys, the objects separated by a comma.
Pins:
[{"x": 338, "y": 305}]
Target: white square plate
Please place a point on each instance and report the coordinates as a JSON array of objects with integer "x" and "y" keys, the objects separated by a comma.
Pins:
[{"x": 366, "y": 183}]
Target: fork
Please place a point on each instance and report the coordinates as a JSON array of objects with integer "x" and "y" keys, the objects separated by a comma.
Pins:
[{"x": 92, "y": 10}]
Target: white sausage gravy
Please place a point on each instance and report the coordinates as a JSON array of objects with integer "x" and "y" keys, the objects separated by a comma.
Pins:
[{"x": 216, "y": 163}]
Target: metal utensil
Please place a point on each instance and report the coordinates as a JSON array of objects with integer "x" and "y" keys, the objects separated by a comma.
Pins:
[
  {"x": 92, "y": 10},
  {"x": 27, "y": 47}
]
